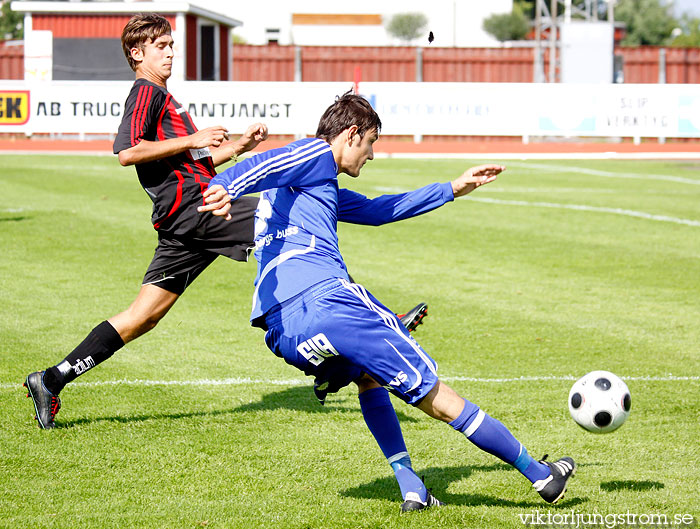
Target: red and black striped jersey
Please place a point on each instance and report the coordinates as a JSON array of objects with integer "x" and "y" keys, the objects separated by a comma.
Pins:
[{"x": 176, "y": 183}]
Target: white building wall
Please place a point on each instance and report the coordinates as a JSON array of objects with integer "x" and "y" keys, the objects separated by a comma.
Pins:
[{"x": 453, "y": 22}]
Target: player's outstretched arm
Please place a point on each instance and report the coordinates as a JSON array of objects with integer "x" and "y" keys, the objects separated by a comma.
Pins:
[
  {"x": 358, "y": 209},
  {"x": 149, "y": 151},
  {"x": 475, "y": 177},
  {"x": 251, "y": 138}
]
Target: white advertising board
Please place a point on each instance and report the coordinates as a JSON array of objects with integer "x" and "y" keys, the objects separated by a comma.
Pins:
[{"x": 479, "y": 109}]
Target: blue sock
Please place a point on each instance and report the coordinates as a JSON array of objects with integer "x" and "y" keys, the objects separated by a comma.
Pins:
[
  {"x": 493, "y": 437},
  {"x": 407, "y": 478},
  {"x": 381, "y": 420}
]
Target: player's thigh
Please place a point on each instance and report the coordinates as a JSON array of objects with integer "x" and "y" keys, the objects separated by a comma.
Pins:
[
  {"x": 176, "y": 265},
  {"x": 370, "y": 335},
  {"x": 350, "y": 323},
  {"x": 233, "y": 238}
]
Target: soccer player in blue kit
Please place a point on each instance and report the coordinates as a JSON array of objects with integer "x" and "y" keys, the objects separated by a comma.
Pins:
[{"x": 335, "y": 330}]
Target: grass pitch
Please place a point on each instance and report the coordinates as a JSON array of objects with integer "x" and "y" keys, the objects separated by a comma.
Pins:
[{"x": 554, "y": 270}]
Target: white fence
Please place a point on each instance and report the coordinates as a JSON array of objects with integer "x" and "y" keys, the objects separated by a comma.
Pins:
[{"x": 479, "y": 109}]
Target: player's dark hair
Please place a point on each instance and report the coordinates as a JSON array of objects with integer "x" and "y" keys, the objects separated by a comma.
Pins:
[
  {"x": 139, "y": 30},
  {"x": 348, "y": 110}
]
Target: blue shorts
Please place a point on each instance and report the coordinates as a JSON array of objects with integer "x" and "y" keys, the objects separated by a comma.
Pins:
[{"x": 337, "y": 330}]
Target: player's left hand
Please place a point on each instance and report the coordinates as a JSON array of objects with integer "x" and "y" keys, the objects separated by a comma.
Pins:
[
  {"x": 217, "y": 201},
  {"x": 475, "y": 177}
]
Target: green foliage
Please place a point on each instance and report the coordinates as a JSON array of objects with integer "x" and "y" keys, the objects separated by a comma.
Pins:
[
  {"x": 237, "y": 39},
  {"x": 690, "y": 36},
  {"x": 508, "y": 26},
  {"x": 649, "y": 22},
  {"x": 11, "y": 22},
  {"x": 232, "y": 437},
  {"x": 407, "y": 26},
  {"x": 527, "y": 7}
]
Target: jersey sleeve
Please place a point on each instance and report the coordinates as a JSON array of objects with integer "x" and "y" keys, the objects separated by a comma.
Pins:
[
  {"x": 298, "y": 165},
  {"x": 358, "y": 209},
  {"x": 141, "y": 111}
]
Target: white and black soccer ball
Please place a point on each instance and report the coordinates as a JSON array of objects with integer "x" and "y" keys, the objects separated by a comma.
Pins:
[{"x": 600, "y": 402}]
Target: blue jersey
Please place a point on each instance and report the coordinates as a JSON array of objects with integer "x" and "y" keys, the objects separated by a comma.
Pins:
[{"x": 296, "y": 240}]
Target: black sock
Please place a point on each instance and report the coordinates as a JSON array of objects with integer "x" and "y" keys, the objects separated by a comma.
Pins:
[{"x": 98, "y": 346}]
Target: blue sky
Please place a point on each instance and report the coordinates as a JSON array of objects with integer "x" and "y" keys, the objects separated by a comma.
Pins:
[{"x": 690, "y": 6}]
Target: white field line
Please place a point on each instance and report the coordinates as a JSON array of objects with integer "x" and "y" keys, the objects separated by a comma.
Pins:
[
  {"x": 27, "y": 152},
  {"x": 547, "y": 190},
  {"x": 609, "y": 155},
  {"x": 242, "y": 381},
  {"x": 691, "y": 155},
  {"x": 645, "y": 378},
  {"x": 494, "y": 156},
  {"x": 596, "y": 209},
  {"x": 554, "y": 205},
  {"x": 493, "y": 188},
  {"x": 607, "y": 174}
]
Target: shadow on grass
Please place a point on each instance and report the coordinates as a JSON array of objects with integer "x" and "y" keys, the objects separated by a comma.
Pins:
[
  {"x": 298, "y": 398},
  {"x": 439, "y": 479},
  {"x": 14, "y": 219},
  {"x": 127, "y": 419},
  {"x": 302, "y": 398},
  {"x": 637, "y": 486}
]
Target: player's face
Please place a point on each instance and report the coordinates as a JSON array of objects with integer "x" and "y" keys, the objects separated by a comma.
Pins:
[
  {"x": 156, "y": 59},
  {"x": 358, "y": 152}
]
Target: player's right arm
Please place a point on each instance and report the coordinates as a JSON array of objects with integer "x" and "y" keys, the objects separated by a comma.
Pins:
[{"x": 148, "y": 151}]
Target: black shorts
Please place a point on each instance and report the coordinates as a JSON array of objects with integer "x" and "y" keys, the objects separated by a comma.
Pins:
[{"x": 179, "y": 260}]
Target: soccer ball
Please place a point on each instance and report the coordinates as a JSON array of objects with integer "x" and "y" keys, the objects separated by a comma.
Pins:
[{"x": 600, "y": 402}]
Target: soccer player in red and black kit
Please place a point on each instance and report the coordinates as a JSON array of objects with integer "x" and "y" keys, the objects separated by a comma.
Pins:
[{"x": 174, "y": 162}]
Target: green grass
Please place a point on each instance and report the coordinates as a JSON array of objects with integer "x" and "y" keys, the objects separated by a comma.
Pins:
[{"x": 514, "y": 290}]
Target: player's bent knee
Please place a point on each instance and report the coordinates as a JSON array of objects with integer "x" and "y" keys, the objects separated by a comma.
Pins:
[
  {"x": 149, "y": 322},
  {"x": 442, "y": 403},
  {"x": 365, "y": 382},
  {"x": 131, "y": 323}
]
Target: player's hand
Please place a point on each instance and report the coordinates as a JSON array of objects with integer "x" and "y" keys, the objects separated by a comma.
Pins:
[
  {"x": 475, "y": 177},
  {"x": 209, "y": 137},
  {"x": 251, "y": 138},
  {"x": 217, "y": 201}
]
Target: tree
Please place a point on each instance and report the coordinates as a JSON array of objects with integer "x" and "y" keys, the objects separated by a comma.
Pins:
[
  {"x": 10, "y": 22},
  {"x": 690, "y": 33},
  {"x": 407, "y": 26},
  {"x": 649, "y": 22},
  {"x": 237, "y": 39},
  {"x": 507, "y": 26}
]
